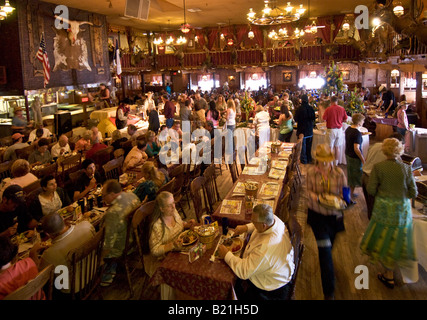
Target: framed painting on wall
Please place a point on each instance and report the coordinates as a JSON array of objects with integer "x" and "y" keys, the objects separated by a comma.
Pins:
[
  {"x": 345, "y": 75},
  {"x": 287, "y": 76}
]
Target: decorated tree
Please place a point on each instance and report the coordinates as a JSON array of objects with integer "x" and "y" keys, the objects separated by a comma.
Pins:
[
  {"x": 247, "y": 105},
  {"x": 354, "y": 102},
  {"x": 333, "y": 81}
]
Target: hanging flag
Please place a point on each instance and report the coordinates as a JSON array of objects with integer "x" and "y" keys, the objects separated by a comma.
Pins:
[
  {"x": 42, "y": 57},
  {"x": 117, "y": 60}
]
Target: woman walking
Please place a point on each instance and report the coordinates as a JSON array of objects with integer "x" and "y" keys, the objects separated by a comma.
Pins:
[{"x": 389, "y": 238}]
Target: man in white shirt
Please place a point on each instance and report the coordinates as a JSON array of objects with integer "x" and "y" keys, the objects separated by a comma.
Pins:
[
  {"x": 375, "y": 155},
  {"x": 9, "y": 154},
  {"x": 96, "y": 133},
  {"x": 61, "y": 148},
  {"x": 262, "y": 123},
  {"x": 33, "y": 136},
  {"x": 268, "y": 260}
]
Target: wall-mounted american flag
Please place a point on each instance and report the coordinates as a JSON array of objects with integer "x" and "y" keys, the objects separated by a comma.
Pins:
[{"x": 42, "y": 56}]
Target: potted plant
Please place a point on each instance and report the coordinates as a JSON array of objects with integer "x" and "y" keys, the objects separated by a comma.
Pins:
[{"x": 247, "y": 105}]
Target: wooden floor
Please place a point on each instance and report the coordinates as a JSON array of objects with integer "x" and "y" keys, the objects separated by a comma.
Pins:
[{"x": 346, "y": 256}]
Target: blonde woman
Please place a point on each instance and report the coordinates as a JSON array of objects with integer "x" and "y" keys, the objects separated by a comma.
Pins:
[
  {"x": 389, "y": 238},
  {"x": 231, "y": 115},
  {"x": 154, "y": 179},
  {"x": 21, "y": 175},
  {"x": 162, "y": 229}
]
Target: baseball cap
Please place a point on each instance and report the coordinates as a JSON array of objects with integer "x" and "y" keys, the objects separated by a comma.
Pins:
[
  {"x": 14, "y": 193},
  {"x": 17, "y": 135}
]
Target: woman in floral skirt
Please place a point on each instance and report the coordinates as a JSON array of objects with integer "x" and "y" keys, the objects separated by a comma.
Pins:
[{"x": 389, "y": 238}]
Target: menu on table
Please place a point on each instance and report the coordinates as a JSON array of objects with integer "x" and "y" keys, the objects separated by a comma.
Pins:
[
  {"x": 285, "y": 153},
  {"x": 239, "y": 189},
  {"x": 270, "y": 189},
  {"x": 269, "y": 202},
  {"x": 231, "y": 206},
  {"x": 252, "y": 171},
  {"x": 279, "y": 164},
  {"x": 276, "y": 174}
]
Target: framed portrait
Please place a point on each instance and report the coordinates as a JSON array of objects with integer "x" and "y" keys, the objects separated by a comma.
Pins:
[
  {"x": 345, "y": 75},
  {"x": 287, "y": 76}
]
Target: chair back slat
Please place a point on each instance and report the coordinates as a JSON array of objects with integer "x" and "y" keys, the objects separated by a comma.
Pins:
[
  {"x": 296, "y": 235},
  {"x": 86, "y": 267},
  {"x": 33, "y": 286},
  {"x": 167, "y": 187},
  {"x": 211, "y": 187},
  {"x": 113, "y": 168},
  {"x": 197, "y": 186}
]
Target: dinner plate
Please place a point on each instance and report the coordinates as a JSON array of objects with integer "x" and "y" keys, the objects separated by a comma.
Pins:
[
  {"x": 192, "y": 237},
  {"x": 236, "y": 245},
  {"x": 323, "y": 203}
]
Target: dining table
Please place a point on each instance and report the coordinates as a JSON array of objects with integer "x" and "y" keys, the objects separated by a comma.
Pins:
[
  {"x": 201, "y": 279},
  {"x": 268, "y": 180},
  {"x": 410, "y": 273}
]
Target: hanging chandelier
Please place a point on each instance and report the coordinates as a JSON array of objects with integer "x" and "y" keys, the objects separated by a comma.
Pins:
[
  {"x": 273, "y": 15},
  {"x": 282, "y": 34},
  {"x": 185, "y": 27},
  {"x": 6, "y": 10}
]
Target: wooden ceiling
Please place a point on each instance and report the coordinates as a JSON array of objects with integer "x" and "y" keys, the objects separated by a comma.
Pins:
[{"x": 169, "y": 14}]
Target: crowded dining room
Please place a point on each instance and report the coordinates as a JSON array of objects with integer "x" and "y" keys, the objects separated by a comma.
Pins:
[{"x": 229, "y": 150}]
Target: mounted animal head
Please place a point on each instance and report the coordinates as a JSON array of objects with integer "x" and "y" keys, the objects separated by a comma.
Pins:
[
  {"x": 409, "y": 24},
  {"x": 74, "y": 27}
]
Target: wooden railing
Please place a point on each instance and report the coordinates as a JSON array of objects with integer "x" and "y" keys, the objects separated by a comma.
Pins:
[{"x": 241, "y": 58}]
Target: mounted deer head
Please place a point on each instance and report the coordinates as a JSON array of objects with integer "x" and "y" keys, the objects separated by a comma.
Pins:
[
  {"x": 74, "y": 28},
  {"x": 409, "y": 24}
]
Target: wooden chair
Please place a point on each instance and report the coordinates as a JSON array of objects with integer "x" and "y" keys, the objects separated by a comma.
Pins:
[
  {"x": 74, "y": 176},
  {"x": 113, "y": 168},
  {"x": 167, "y": 187},
  {"x": 119, "y": 153},
  {"x": 24, "y": 153},
  {"x": 197, "y": 185},
  {"x": 86, "y": 269},
  {"x": 233, "y": 171},
  {"x": 101, "y": 157},
  {"x": 282, "y": 208},
  {"x": 178, "y": 173},
  {"x": 5, "y": 170},
  {"x": 69, "y": 165},
  {"x": 50, "y": 169},
  {"x": 296, "y": 236},
  {"x": 127, "y": 146},
  {"x": 139, "y": 228},
  {"x": 35, "y": 285},
  {"x": 125, "y": 258},
  {"x": 31, "y": 187},
  {"x": 214, "y": 200}
]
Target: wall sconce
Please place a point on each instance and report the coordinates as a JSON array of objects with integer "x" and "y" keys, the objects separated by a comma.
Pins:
[
  {"x": 205, "y": 78},
  {"x": 230, "y": 42}
]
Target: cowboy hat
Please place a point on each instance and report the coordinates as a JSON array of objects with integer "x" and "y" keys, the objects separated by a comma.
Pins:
[{"x": 324, "y": 153}]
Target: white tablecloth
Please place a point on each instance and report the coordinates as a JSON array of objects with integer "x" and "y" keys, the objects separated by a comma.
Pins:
[
  {"x": 410, "y": 274},
  {"x": 104, "y": 113},
  {"x": 319, "y": 137}
]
